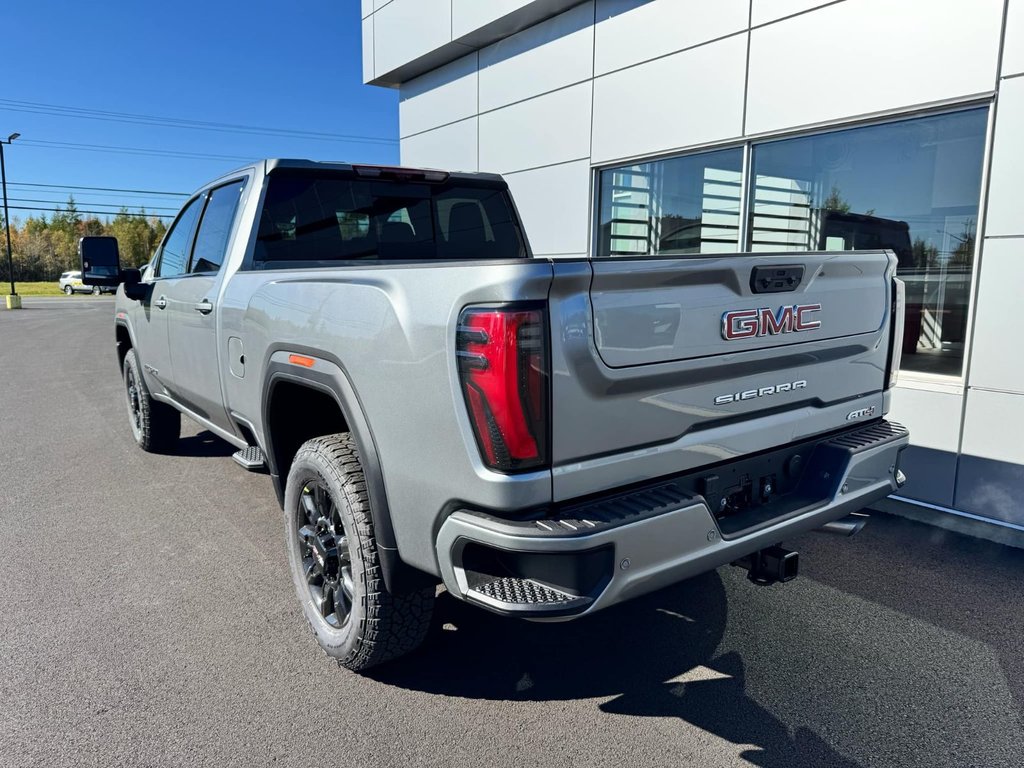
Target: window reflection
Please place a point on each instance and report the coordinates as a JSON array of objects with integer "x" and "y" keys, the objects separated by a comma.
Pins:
[
  {"x": 911, "y": 186},
  {"x": 683, "y": 205}
]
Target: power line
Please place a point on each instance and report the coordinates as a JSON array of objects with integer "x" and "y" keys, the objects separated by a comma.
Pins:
[
  {"x": 102, "y": 205},
  {"x": 93, "y": 213},
  {"x": 129, "y": 150},
  {"x": 98, "y": 189},
  {"x": 173, "y": 122}
]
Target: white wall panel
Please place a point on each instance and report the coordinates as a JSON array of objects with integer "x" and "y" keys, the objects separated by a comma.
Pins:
[
  {"x": 688, "y": 98},
  {"x": 404, "y": 30},
  {"x": 1005, "y": 212},
  {"x": 549, "y": 55},
  {"x": 987, "y": 426},
  {"x": 933, "y": 418},
  {"x": 1013, "y": 47},
  {"x": 764, "y": 11},
  {"x": 554, "y": 204},
  {"x": 631, "y": 31},
  {"x": 553, "y": 128},
  {"x": 995, "y": 362},
  {"x": 367, "y": 8},
  {"x": 451, "y": 147},
  {"x": 470, "y": 15},
  {"x": 441, "y": 96},
  {"x": 378, "y": 4},
  {"x": 367, "y": 49},
  {"x": 863, "y": 56}
]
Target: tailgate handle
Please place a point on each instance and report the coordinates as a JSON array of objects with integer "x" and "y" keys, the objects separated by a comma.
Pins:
[{"x": 776, "y": 279}]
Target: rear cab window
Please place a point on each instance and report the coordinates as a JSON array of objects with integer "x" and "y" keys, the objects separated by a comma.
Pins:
[{"x": 323, "y": 218}]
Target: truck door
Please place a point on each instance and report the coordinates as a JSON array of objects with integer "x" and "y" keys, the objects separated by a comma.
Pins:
[
  {"x": 150, "y": 322},
  {"x": 193, "y": 312}
]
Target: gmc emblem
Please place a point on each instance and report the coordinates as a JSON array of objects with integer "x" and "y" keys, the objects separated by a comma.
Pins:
[{"x": 751, "y": 323}]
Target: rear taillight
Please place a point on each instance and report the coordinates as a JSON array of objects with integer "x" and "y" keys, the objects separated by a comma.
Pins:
[
  {"x": 503, "y": 368},
  {"x": 899, "y": 308}
]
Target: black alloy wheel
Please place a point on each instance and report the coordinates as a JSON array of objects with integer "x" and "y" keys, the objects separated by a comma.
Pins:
[
  {"x": 325, "y": 554},
  {"x": 134, "y": 401}
]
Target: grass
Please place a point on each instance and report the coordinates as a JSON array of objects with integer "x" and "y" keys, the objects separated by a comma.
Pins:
[{"x": 46, "y": 288}]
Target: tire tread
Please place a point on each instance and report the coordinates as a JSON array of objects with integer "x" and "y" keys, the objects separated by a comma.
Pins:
[{"x": 392, "y": 625}]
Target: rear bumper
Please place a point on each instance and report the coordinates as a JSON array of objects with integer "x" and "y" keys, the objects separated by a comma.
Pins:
[{"x": 581, "y": 558}]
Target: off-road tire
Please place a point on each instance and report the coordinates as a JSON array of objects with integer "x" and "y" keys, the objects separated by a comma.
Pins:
[
  {"x": 155, "y": 426},
  {"x": 380, "y": 626}
]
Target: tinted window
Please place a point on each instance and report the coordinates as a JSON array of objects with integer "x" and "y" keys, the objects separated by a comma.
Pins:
[
  {"x": 174, "y": 253},
  {"x": 682, "y": 205},
  {"x": 913, "y": 186},
  {"x": 215, "y": 228},
  {"x": 313, "y": 217}
]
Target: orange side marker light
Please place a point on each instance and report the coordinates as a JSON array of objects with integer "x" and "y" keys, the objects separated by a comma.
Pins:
[{"x": 305, "y": 362}]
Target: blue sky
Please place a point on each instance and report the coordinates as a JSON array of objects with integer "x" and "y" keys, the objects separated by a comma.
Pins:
[{"x": 294, "y": 66}]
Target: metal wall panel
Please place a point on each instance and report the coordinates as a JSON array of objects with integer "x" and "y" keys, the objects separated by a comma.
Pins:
[
  {"x": 553, "y": 203},
  {"x": 445, "y": 95},
  {"x": 633, "y": 31},
  {"x": 549, "y": 129},
  {"x": 864, "y": 56},
  {"x": 550, "y": 55},
  {"x": 451, "y": 147},
  {"x": 688, "y": 98}
]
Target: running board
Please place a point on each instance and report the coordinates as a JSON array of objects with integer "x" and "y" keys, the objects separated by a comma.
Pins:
[{"x": 250, "y": 458}]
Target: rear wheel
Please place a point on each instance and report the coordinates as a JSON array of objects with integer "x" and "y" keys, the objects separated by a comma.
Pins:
[
  {"x": 332, "y": 551},
  {"x": 95, "y": 290},
  {"x": 68, "y": 290},
  {"x": 155, "y": 426}
]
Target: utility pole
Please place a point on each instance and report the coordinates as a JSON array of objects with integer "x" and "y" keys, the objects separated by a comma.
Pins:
[{"x": 13, "y": 301}]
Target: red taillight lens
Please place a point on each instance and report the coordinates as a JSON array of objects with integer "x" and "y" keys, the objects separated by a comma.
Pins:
[{"x": 503, "y": 366}]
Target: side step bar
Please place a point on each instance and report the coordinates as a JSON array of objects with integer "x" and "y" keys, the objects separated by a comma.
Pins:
[{"x": 250, "y": 458}]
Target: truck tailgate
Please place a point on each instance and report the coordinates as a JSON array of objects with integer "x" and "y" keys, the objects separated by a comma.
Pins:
[{"x": 664, "y": 365}]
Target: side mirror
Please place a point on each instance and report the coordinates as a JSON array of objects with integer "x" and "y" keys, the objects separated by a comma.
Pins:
[
  {"x": 134, "y": 288},
  {"x": 101, "y": 263}
]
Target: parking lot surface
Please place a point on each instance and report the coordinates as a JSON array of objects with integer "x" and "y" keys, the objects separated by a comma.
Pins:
[{"x": 149, "y": 619}]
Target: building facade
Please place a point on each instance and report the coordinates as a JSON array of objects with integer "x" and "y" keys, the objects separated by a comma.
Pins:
[{"x": 678, "y": 127}]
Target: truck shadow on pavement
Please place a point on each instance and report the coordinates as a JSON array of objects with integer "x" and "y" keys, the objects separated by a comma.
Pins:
[
  {"x": 204, "y": 444},
  {"x": 654, "y": 656}
]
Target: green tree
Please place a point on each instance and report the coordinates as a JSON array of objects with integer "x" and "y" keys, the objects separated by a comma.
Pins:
[{"x": 835, "y": 201}]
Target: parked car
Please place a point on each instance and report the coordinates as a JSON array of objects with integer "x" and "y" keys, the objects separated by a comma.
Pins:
[
  {"x": 547, "y": 437},
  {"x": 71, "y": 282}
]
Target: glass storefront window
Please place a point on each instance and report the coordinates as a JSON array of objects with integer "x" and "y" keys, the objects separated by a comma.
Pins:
[
  {"x": 913, "y": 186},
  {"x": 682, "y": 205}
]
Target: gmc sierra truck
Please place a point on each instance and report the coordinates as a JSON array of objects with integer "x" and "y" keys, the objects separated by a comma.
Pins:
[{"x": 546, "y": 437}]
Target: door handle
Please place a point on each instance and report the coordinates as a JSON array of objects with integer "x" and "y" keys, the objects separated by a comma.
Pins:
[
  {"x": 161, "y": 303},
  {"x": 204, "y": 307}
]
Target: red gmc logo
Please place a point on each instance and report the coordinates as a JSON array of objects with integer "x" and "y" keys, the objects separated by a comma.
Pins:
[{"x": 751, "y": 323}]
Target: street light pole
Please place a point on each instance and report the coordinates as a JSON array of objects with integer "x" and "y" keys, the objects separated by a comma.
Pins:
[{"x": 7, "y": 217}]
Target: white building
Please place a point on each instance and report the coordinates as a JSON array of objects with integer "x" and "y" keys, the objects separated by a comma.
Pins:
[{"x": 677, "y": 126}]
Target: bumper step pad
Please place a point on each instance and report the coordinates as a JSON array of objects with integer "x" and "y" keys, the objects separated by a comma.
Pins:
[
  {"x": 512, "y": 595},
  {"x": 250, "y": 458}
]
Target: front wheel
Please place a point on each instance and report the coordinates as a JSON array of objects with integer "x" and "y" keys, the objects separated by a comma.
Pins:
[
  {"x": 155, "y": 426},
  {"x": 68, "y": 290},
  {"x": 95, "y": 290},
  {"x": 332, "y": 551}
]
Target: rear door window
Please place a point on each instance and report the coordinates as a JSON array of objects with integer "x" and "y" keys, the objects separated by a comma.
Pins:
[{"x": 323, "y": 219}]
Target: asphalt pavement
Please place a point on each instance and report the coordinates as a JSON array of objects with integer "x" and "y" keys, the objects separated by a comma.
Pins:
[{"x": 149, "y": 619}]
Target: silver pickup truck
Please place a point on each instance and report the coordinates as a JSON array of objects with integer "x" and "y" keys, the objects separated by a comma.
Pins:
[{"x": 545, "y": 437}]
